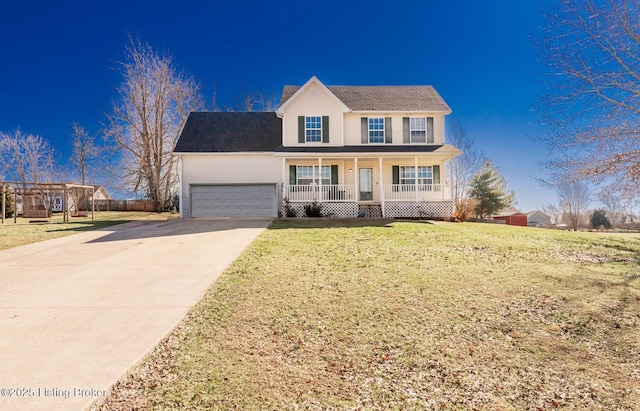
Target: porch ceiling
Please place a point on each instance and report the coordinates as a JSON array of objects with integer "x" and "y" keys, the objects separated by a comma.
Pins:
[{"x": 361, "y": 149}]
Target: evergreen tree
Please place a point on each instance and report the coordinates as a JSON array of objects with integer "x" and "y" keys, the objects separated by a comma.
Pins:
[
  {"x": 8, "y": 204},
  {"x": 490, "y": 189},
  {"x": 599, "y": 218}
]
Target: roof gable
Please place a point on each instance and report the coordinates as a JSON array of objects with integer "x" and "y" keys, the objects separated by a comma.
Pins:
[
  {"x": 290, "y": 93},
  {"x": 220, "y": 132},
  {"x": 377, "y": 98}
]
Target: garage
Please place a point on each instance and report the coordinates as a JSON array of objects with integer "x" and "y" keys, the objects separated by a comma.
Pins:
[{"x": 250, "y": 200}]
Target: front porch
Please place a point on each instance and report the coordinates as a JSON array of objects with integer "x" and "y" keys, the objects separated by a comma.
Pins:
[{"x": 391, "y": 187}]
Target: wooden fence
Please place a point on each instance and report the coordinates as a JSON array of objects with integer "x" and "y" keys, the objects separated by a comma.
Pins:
[{"x": 124, "y": 205}]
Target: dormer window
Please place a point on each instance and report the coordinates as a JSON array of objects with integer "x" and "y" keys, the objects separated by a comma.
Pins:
[
  {"x": 313, "y": 129},
  {"x": 376, "y": 130}
]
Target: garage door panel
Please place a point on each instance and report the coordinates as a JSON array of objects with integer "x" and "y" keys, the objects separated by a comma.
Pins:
[{"x": 255, "y": 200}]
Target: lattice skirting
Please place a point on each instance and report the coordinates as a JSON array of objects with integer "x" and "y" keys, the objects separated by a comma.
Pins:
[
  {"x": 336, "y": 210},
  {"x": 423, "y": 209},
  {"x": 395, "y": 209}
]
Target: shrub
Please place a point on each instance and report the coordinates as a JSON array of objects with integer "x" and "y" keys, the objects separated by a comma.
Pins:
[
  {"x": 8, "y": 205},
  {"x": 288, "y": 210},
  {"x": 599, "y": 219},
  {"x": 313, "y": 210},
  {"x": 465, "y": 208}
]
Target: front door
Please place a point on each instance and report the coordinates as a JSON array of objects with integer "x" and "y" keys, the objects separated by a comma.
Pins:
[{"x": 366, "y": 184}]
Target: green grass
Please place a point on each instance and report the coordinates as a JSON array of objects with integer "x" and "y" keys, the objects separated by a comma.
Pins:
[
  {"x": 407, "y": 315},
  {"x": 23, "y": 232}
]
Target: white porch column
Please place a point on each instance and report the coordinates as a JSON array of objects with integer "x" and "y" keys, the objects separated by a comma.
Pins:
[
  {"x": 320, "y": 182},
  {"x": 357, "y": 178},
  {"x": 415, "y": 175},
  {"x": 452, "y": 183},
  {"x": 381, "y": 186},
  {"x": 284, "y": 178}
]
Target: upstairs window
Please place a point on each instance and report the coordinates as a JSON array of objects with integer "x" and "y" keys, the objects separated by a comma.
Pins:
[
  {"x": 313, "y": 129},
  {"x": 376, "y": 130},
  {"x": 418, "y": 129}
]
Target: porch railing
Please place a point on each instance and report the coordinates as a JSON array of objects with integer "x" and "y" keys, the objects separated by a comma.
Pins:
[
  {"x": 314, "y": 192},
  {"x": 347, "y": 193},
  {"x": 413, "y": 192}
]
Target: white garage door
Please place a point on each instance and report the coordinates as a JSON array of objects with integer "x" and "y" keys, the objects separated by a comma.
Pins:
[{"x": 255, "y": 200}]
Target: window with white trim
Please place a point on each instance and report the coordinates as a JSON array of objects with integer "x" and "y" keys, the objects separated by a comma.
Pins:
[
  {"x": 418, "y": 129},
  {"x": 313, "y": 129},
  {"x": 376, "y": 129},
  {"x": 408, "y": 175},
  {"x": 307, "y": 175}
]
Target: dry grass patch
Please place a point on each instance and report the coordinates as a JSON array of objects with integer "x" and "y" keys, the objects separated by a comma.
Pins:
[
  {"x": 23, "y": 232},
  {"x": 407, "y": 315}
]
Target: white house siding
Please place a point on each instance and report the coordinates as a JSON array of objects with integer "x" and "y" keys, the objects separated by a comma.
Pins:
[
  {"x": 207, "y": 169},
  {"x": 305, "y": 104}
]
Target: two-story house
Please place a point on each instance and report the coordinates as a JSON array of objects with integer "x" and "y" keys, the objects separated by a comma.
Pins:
[{"x": 358, "y": 151}]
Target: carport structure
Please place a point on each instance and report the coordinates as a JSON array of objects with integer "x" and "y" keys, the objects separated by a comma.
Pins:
[{"x": 38, "y": 199}]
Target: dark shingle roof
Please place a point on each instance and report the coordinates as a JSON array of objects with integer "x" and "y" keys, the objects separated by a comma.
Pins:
[
  {"x": 382, "y": 98},
  {"x": 220, "y": 132}
]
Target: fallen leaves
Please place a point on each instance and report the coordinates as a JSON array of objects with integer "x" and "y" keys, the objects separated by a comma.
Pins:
[{"x": 446, "y": 316}]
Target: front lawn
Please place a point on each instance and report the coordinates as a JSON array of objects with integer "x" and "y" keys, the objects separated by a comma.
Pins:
[
  {"x": 23, "y": 232},
  {"x": 373, "y": 314}
]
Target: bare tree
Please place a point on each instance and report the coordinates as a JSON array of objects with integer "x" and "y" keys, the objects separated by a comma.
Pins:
[
  {"x": 616, "y": 206},
  {"x": 573, "y": 199},
  {"x": 468, "y": 164},
  {"x": 553, "y": 211},
  {"x": 26, "y": 158},
  {"x": 84, "y": 151},
  {"x": 248, "y": 100},
  {"x": 590, "y": 102},
  {"x": 154, "y": 103}
]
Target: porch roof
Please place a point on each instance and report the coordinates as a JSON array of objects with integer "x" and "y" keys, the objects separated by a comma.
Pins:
[{"x": 369, "y": 149}]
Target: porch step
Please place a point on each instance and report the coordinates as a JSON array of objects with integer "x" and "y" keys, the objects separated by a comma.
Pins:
[{"x": 370, "y": 210}]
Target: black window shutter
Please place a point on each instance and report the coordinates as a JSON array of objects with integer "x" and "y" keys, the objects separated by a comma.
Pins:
[
  {"x": 406, "y": 130},
  {"x": 436, "y": 174},
  {"x": 364, "y": 128},
  {"x": 334, "y": 174},
  {"x": 292, "y": 175},
  {"x": 301, "y": 136},
  {"x": 396, "y": 174},
  {"x": 430, "y": 130},
  {"x": 388, "y": 137},
  {"x": 325, "y": 129}
]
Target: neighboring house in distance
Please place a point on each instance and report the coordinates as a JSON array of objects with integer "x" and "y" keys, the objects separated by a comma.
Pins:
[
  {"x": 357, "y": 150},
  {"x": 538, "y": 218},
  {"x": 99, "y": 193},
  {"x": 512, "y": 216},
  {"x": 630, "y": 220}
]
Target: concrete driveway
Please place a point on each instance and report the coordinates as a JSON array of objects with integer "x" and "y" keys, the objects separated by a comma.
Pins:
[{"x": 77, "y": 312}]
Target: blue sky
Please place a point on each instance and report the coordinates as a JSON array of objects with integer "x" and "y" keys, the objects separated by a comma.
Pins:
[{"x": 58, "y": 59}]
